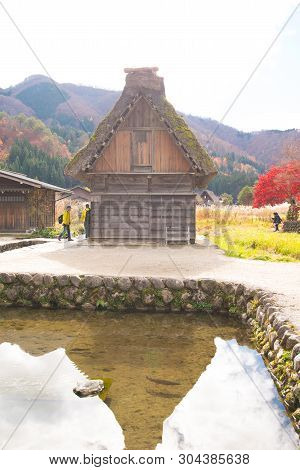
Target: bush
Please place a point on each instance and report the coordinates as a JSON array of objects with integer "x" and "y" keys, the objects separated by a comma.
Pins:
[
  {"x": 291, "y": 226},
  {"x": 47, "y": 232},
  {"x": 227, "y": 199},
  {"x": 245, "y": 196}
]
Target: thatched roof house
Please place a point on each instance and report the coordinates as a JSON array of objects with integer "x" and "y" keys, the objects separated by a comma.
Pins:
[{"x": 142, "y": 137}]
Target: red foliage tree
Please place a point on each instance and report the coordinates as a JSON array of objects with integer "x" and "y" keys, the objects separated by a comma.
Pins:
[{"x": 279, "y": 184}]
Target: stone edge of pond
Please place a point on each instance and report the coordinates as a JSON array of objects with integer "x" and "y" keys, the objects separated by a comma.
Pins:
[
  {"x": 274, "y": 336},
  {"x": 19, "y": 244}
]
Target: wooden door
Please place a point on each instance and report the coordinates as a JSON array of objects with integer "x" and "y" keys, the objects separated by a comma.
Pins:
[
  {"x": 141, "y": 150},
  {"x": 13, "y": 216}
]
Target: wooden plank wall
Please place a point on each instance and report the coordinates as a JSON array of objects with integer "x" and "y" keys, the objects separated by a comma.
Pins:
[
  {"x": 141, "y": 183},
  {"x": 142, "y": 140},
  {"x": 144, "y": 218},
  {"x": 20, "y": 212}
]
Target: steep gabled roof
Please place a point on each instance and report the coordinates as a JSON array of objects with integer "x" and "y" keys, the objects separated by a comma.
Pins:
[
  {"x": 211, "y": 194},
  {"x": 143, "y": 83}
]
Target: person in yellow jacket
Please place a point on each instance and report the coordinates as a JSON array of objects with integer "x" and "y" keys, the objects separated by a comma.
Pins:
[
  {"x": 66, "y": 221},
  {"x": 86, "y": 219}
]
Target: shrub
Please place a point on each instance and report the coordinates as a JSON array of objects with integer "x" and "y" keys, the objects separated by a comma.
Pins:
[
  {"x": 292, "y": 226},
  {"x": 245, "y": 196}
]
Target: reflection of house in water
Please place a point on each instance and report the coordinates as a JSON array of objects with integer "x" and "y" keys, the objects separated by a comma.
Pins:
[
  {"x": 208, "y": 198},
  {"x": 58, "y": 419},
  {"x": 151, "y": 374}
]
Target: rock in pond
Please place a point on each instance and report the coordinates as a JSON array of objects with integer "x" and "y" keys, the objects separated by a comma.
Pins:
[{"x": 89, "y": 388}]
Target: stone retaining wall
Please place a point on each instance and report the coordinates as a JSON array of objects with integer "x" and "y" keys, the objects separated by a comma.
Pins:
[
  {"x": 274, "y": 336},
  {"x": 19, "y": 244}
]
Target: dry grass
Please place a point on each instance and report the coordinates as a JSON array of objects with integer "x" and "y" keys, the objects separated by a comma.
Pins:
[{"x": 248, "y": 233}]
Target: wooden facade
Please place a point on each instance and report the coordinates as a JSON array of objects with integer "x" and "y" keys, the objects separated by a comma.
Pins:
[
  {"x": 139, "y": 169},
  {"x": 25, "y": 204}
]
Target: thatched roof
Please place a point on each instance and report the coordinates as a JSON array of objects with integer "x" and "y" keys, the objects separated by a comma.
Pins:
[{"x": 144, "y": 83}]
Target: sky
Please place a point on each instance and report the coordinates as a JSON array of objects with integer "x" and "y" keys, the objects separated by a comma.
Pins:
[{"x": 205, "y": 50}]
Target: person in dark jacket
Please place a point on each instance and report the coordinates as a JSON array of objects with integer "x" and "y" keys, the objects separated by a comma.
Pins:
[
  {"x": 86, "y": 219},
  {"x": 276, "y": 221}
]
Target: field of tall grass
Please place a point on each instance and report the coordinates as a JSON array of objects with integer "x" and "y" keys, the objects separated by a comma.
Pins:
[{"x": 244, "y": 232}]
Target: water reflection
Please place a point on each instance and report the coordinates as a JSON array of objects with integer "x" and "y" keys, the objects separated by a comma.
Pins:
[
  {"x": 233, "y": 405},
  {"x": 154, "y": 361},
  {"x": 58, "y": 419}
]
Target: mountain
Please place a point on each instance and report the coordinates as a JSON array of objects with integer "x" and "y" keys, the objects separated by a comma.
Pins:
[
  {"x": 266, "y": 146},
  {"x": 62, "y": 104},
  {"x": 66, "y": 105},
  {"x": 58, "y": 118}
]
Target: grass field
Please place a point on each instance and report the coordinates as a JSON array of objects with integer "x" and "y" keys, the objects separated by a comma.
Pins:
[{"x": 244, "y": 232}]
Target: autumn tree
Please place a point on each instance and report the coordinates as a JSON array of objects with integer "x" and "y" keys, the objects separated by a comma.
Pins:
[
  {"x": 279, "y": 184},
  {"x": 35, "y": 163},
  {"x": 245, "y": 196}
]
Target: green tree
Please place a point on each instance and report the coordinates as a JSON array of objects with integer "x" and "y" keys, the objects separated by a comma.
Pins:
[
  {"x": 35, "y": 163},
  {"x": 245, "y": 196},
  {"x": 232, "y": 183},
  {"x": 227, "y": 199}
]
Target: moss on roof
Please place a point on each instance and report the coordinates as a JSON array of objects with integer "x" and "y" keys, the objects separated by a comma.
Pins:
[
  {"x": 186, "y": 137},
  {"x": 197, "y": 154}
]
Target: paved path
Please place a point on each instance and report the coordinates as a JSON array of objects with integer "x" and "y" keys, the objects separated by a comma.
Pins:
[{"x": 197, "y": 261}]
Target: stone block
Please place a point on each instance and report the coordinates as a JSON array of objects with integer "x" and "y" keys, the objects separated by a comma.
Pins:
[
  {"x": 174, "y": 283},
  {"x": 297, "y": 363},
  {"x": 149, "y": 299},
  {"x": 292, "y": 340},
  {"x": 88, "y": 306},
  {"x": 63, "y": 280},
  {"x": 282, "y": 330},
  {"x": 278, "y": 322},
  {"x": 166, "y": 296},
  {"x": 48, "y": 280},
  {"x": 296, "y": 350},
  {"x": 276, "y": 345},
  {"x": 75, "y": 281},
  {"x": 124, "y": 283},
  {"x": 142, "y": 283},
  {"x": 92, "y": 281},
  {"x": 109, "y": 282},
  {"x": 157, "y": 283},
  {"x": 208, "y": 286},
  {"x": 11, "y": 293},
  {"x": 272, "y": 338},
  {"x": 191, "y": 284},
  {"x": 7, "y": 278},
  {"x": 25, "y": 278},
  {"x": 37, "y": 280}
]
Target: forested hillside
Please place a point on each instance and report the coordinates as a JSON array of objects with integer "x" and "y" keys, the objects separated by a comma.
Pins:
[
  {"x": 59, "y": 118},
  {"x": 30, "y": 160},
  {"x": 32, "y": 129}
]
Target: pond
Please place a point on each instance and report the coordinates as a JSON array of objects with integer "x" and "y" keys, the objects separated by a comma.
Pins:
[{"x": 179, "y": 381}]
